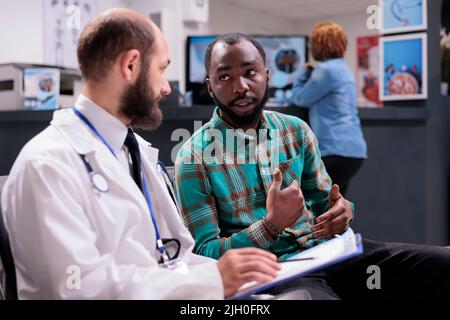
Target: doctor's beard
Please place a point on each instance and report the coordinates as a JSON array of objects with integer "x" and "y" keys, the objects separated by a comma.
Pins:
[{"x": 139, "y": 105}]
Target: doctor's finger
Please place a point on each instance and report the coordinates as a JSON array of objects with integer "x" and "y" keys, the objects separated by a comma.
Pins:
[
  {"x": 256, "y": 276},
  {"x": 262, "y": 260},
  {"x": 258, "y": 252},
  {"x": 259, "y": 267}
]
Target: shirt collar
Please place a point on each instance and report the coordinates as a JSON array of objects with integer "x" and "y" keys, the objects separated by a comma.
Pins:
[
  {"x": 218, "y": 123},
  {"x": 111, "y": 128}
]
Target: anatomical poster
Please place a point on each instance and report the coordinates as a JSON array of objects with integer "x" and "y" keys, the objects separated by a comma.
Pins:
[{"x": 63, "y": 22}]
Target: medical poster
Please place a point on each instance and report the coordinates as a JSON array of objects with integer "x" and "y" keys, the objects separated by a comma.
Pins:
[
  {"x": 403, "y": 15},
  {"x": 63, "y": 22},
  {"x": 403, "y": 67},
  {"x": 41, "y": 89},
  {"x": 367, "y": 72}
]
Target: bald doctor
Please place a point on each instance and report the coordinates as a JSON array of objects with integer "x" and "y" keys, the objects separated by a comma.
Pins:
[{"x": 86, "y": 206}]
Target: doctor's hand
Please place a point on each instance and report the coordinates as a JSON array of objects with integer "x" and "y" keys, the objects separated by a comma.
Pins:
[
  {"x": 239, "y": 266},
  {"x": 284, "y": 207},
  {"x": 336, "y": 220}
]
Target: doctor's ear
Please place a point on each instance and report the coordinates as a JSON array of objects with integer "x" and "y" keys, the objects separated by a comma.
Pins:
[{"x": 129, "y": 64}]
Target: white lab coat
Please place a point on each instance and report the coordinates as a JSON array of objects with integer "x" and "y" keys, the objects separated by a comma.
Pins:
[{"x": 59, "y": 224}]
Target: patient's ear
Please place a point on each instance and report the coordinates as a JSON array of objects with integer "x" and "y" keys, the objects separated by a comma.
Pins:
[{"x": 208, "y": 86}]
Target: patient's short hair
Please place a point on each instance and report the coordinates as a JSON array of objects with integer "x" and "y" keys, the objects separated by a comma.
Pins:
[{"x": 232, "y": 39}]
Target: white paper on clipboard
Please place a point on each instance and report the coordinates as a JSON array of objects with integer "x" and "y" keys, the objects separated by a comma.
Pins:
[{"x": 333, "y": 251}]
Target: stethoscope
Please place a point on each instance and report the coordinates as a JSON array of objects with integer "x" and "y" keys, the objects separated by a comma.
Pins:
[
  {"x": 97, "y": 180},
  {"x": 101, "y": 185}
]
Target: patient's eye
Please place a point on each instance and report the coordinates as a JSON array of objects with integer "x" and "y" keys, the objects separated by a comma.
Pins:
[
  {"x": 250, "y": 72},
  {"x": 224, "y": 77}
]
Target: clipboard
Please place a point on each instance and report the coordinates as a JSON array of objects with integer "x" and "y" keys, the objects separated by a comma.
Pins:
[{"x": 333, "y": 251}]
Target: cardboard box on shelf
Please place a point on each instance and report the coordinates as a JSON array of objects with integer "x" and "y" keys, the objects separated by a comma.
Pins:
[{"x": 37, "y": 87}]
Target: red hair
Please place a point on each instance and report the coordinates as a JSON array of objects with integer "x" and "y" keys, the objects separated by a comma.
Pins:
[{"x": 328, "y": 41}]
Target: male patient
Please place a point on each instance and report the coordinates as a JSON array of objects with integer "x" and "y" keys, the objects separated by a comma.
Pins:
[{"x": 265, "y": 186}]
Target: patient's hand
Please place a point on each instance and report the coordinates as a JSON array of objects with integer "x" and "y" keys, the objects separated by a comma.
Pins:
[
  {"x": 336, "y": 220},
  {"x": 284, "y": 207}
]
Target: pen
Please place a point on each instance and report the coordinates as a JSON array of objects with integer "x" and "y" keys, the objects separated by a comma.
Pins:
[{"x": 293, "y": 260}]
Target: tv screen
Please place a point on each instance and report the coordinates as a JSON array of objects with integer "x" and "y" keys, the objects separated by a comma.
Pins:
[{"x": 284, "y": 55}]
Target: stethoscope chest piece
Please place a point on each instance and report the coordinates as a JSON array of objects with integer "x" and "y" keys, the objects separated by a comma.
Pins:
[{"x": 99, "y": 182}]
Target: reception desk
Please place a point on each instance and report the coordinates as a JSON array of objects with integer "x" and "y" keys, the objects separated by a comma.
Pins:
[{"x": 17, "y": 127}]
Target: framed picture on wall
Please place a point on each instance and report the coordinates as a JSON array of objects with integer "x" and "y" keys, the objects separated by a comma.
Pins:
[
  {"x": 403, "y": 67},
  {"x": 368, "y": 66},
  {"x": 403, "y": 15}
]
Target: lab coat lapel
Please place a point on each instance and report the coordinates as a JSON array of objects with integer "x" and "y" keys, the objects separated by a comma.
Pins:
[
  {"x": 161, "y": 197},
  {"x": 82, "y": 141}
]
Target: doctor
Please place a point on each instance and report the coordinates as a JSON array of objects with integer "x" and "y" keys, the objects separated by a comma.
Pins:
[{"x": 86, "y": 205}]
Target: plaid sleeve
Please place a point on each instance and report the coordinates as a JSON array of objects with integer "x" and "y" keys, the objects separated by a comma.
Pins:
[
  {"x": 195, "y": 196},
  {"x": 316, "y": 183}
]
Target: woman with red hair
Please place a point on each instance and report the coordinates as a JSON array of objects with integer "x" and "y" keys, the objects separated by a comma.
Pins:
[{"x": 329, "y": 92}]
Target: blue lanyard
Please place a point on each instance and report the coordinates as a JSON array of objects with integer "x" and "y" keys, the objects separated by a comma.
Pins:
[
  {"x": 91, "y": 126},
  {"x": 159, "y": 243}
]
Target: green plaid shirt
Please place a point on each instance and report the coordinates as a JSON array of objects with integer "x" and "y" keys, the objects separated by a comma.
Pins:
[{"x": 222, "y": 181}]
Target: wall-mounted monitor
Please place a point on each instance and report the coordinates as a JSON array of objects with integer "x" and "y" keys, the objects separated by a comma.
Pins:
[{"x": 284, "y": 55}]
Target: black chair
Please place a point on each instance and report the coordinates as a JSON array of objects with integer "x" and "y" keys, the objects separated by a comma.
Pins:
[
  {"x": 10, "y": 289},
  {"x": 170, "y": 172}
]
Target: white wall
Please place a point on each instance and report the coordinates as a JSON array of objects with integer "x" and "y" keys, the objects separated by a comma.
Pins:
[
  {"x": 25, "y": 18},
  {"x": 173, "y": 28},
  {"x": 103, "y": 5},
  {"x": 21, "y": 29},
  {"x": 228, "y": 18},
  {"x": 223, "y": 18},
  {"x": 354, "y": 25}
]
